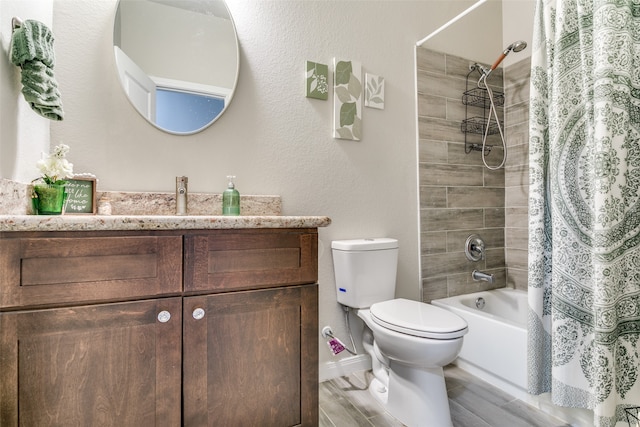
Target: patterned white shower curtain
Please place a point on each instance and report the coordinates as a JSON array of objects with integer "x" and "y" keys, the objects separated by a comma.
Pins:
[{"x": 584, "y": 206}]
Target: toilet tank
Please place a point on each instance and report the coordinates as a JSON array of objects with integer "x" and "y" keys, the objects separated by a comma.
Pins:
[{"x": 365, "y": 270}]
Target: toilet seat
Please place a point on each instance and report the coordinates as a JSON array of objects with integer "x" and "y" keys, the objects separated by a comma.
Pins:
[{"x": 418, "y": 319}]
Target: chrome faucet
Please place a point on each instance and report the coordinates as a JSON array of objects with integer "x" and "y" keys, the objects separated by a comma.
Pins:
[
  {"x": 181, "y": 195},
  {"x": 474, "y": 248},
  {"x": 480, "y": 276}
]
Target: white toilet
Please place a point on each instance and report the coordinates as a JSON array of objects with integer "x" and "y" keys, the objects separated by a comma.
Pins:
[{"x": 409, "y": 341}]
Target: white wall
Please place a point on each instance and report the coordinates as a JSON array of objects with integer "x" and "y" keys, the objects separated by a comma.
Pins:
[
  {"x": 273, "y": 138},
  {"x": 517, "y": 24},
  {"x": 24, "y": 135}
]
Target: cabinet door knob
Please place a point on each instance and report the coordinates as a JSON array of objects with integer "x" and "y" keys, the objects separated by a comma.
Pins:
[
  {"x": 164, "y": 316},
  {"x": 198, "y": 313}
]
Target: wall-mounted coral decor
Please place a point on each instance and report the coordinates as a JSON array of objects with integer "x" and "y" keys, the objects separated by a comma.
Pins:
[
  {"x": 317, "y": 80},
  {"x": 374, "y": 91},
  {"x": 347, "y": 90}
]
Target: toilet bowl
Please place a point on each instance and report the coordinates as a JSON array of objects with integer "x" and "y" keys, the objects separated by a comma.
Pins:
[
  {"x": 409, "y": 341},
  {"x": 415, "y": 340},
  {"x": 415, "y": 333}
]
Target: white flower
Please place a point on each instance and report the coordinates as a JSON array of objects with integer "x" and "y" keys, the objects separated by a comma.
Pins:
[
  {"x": 60, "y": 151},
  {"x": 55, "y": 167}
]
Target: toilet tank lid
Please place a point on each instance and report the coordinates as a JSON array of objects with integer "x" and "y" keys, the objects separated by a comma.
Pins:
[{"x": 365, "y": 244}]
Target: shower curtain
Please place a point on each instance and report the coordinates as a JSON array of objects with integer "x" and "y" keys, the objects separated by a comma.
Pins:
[{"x": 584, "y": 206}]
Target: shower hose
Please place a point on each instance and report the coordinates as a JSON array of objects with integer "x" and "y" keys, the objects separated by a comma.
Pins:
[{"x": 483, "y": 82}]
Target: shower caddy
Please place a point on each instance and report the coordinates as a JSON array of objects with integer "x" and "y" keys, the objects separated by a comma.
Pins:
[{"x": 478, "y": 97}]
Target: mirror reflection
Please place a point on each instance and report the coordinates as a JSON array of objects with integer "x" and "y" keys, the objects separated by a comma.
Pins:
[{"x": 177, "y": 60}]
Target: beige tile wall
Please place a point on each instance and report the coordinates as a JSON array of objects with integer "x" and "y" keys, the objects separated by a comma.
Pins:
[{"x": 458, "y": 195}]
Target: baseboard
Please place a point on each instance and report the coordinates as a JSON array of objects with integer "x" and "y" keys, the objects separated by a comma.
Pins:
[{"x": 346, "y": 366}]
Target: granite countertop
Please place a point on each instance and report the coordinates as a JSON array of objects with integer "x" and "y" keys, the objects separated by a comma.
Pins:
[
  {"x": 149, "y": 211},
  {"x": 154, "y": 222}
]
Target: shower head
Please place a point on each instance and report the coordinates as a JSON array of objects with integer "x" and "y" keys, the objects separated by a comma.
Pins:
[
  {"x": 515, "y": 47},
  {"x": 518, "y": 46}
]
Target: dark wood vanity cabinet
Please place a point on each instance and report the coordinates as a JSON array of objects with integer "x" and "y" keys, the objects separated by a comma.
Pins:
[{"x": 166, "y": 328}]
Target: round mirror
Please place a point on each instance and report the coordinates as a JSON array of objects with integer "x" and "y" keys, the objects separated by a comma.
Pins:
[{"x": 177, "y": 60}]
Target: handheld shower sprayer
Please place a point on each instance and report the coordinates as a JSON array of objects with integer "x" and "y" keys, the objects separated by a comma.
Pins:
[
  {"x": 484, "y": 73},
  {"x": 517, "y": 46}
]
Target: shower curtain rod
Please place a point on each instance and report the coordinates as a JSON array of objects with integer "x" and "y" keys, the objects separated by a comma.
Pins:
[{"x": 452, "y": 21}]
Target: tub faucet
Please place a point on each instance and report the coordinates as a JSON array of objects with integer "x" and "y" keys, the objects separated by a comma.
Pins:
[{"x": 480, "y": 276}]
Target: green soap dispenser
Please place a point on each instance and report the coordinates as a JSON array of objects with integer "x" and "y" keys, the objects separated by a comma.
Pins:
[{"x": 231, "y": 198}]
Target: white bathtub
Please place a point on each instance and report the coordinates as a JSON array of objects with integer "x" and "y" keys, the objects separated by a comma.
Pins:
[{"x": 495, "y": 347}]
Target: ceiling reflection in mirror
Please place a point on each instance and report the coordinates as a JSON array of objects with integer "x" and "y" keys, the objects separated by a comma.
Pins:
[{"x": 177, "y": 60}]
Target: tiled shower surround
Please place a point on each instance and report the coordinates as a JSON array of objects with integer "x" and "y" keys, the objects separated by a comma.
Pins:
[{"x": 458, "y": 195}]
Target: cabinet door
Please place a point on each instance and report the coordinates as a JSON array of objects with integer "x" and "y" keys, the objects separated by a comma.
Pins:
[
  {"x": 102, "y": 365},
  {"x": 224, "y": 260},
  {"x": 252, "y": 359}
]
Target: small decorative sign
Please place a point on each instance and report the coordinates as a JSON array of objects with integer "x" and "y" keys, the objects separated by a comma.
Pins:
[{"x": 81, "y": 196}]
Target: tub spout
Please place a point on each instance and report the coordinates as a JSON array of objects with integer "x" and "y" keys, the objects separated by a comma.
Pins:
[{"x": 480, "y": 276}]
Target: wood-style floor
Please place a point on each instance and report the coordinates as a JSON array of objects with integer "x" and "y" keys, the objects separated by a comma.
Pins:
[{"x": 346, "y": 402}]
